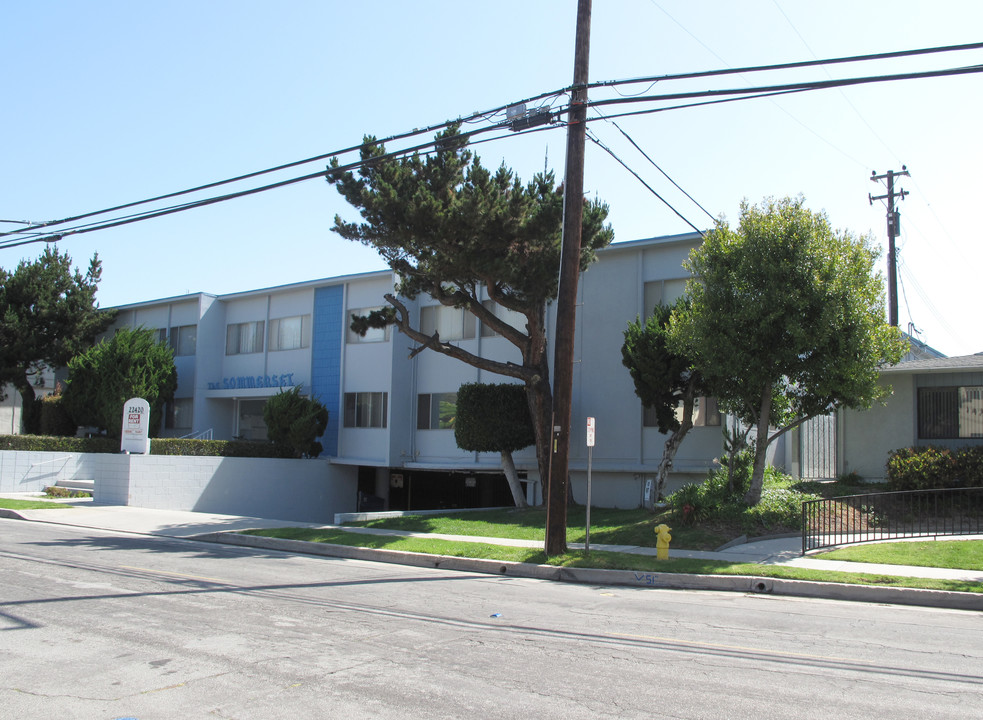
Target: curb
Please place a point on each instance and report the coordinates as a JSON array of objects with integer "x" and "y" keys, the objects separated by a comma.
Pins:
[{"x": 589, "y": 576}]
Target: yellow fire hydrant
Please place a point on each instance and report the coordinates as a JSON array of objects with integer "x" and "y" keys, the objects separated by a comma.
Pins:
[{"x": 662, "y": 542}]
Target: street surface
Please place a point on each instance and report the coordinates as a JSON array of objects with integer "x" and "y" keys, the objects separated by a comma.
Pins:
[{"x": 100, "y": 625}]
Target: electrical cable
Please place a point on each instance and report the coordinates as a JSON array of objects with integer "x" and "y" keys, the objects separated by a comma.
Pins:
[
  {"x": 638, "y": 177},
  {"x": 664, "y": 173}
]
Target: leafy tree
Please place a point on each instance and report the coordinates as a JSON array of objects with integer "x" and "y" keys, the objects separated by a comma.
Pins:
[
  {"x": 495, "y": 418},
  {"x": 130, "y": 363},
  {"x": 787, "y": 320},
  {"x": 448, "y": 228},
  {"x": 664, "y": 380},
  {"x": 48, "y": 314},
  {"x": 295, "y": 422}
]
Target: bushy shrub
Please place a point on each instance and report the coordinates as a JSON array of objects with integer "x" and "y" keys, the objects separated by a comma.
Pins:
[
  {"x": 921, "y": 468},
  {"x": 779, "y": 510},
  {"x": 294, "y": 423},
  {"x": 158, "y": 446},
  {"x": 969, "y": 466}
]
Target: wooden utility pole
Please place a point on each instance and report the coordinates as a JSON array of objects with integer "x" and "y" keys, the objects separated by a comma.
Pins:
[
  {"x": 566, "y": 302},
  {"x": 893, "y": 230}
]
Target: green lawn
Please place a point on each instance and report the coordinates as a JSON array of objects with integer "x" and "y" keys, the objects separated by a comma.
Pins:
[
  {"x": 11, "y": 504},
  {"x": 607, "y": 527},
  {"x": 604, "y": 560},
  {"x": 953, "y": 554}
]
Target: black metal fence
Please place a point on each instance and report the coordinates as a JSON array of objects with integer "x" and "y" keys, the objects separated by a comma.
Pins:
[{"x": 891, "y": 515}]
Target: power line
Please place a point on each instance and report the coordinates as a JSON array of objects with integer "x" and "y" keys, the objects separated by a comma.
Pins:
[
  {"x": 723, "y": 95},
  {"x": 638, "y": 177},
  {"x": 664, "y": 173}
]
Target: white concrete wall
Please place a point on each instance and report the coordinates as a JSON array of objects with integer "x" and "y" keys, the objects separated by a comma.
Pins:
[
  {"x": 300, "y": 490},
  {"x": 866, "y": 437}
]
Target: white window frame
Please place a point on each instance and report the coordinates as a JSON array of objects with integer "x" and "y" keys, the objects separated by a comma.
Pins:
[
  {"x": 449, "y": 322},
  {"x": 284, "y": 336},
  {"x": 366, "y": 410},
  {"x": 238, "y": 343},
  {"x": 428, "y": 411},
  {"x": 372, "y": 335}
]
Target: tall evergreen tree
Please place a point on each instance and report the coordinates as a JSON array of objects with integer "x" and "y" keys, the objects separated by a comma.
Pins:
[
  {"x": 48, "y": 314},
  {"x": 450, "y": 228}
]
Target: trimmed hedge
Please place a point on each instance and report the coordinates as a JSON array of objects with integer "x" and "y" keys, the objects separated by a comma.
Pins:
[
  {"x": 935, "y": 468},
  {"x": 158, "y": 446}
]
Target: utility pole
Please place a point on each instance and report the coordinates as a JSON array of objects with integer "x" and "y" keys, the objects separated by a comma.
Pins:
[
  {"x": 893, "y": 228},
  {"x": 566, "y": 301}
]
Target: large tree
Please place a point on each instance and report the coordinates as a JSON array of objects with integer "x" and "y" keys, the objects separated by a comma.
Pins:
[
  {"x": 130, "y": 363},
  {"x": 787, "y": 320},
  {"x": 449, "y": 228},
  {"x": 495, "y": 418},
  {"x": 48, "y": 314},
  {"x": 665, "y": 381}
]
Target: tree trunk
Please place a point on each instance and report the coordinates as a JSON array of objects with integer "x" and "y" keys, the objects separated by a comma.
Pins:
[
  {"x": 753, "y": 496},
  {"x": 540, "y": 399},
  {"x": 674, "y": 441},
  {"x": 30, "y": 409},
  {"x": 508, "y": 465}
]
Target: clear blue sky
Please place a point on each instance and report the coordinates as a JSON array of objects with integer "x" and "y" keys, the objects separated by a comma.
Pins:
[{"x": 109, "y": 102}]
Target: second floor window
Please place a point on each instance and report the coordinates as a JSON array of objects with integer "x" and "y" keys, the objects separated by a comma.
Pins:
[
  {"x": 184, "y": 340},
  {"x": 450, "y": 323},
  {"x": 290, "y": 333},
  {"x": 242, "y": 338}
]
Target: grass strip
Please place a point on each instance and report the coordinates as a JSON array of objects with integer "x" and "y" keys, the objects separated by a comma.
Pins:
[
  {"x": 952, "y": 554},
  {"x": 604, "y": 560},
  {"x": 12, "y": 504}
]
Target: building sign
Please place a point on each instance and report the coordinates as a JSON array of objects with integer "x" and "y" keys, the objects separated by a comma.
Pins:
[
  {"x": 251, "y": 382},
  {"x": 135, "y": 437}
]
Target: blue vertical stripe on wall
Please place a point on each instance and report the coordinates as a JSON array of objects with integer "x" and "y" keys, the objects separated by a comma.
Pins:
[{"x": 326, "y": 347}]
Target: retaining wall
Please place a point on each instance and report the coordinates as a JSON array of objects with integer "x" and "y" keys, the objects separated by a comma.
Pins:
[{"x": 301, "y": 490}]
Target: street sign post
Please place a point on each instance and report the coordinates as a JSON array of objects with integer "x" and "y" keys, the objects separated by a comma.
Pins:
[{"x": 590, "y": 459}]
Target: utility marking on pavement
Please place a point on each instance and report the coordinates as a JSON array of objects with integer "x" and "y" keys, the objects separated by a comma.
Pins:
[
  {"x": 175, "y": 574},
  {"x": 741, "y": 648}
]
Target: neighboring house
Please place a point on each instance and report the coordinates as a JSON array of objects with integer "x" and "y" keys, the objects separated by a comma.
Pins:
[
  {"x": 934, "y": 401},
  {"x": 389, "y": 415}
]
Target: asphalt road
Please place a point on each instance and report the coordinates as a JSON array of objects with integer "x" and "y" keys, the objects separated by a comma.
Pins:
[{"x": 104, "y": 625}]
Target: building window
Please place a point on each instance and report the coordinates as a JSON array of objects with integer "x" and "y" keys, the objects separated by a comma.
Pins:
[
  {"x": 450, "y": 323},
  {"x": 184, "y": 340},
  {"x": 706, "y": 413},
  {"x": 510, "y": 317},
  {"x": 249, "y": 421},
  {"x": 436, "y": 411},
  {"x": 950, "y": 413},
  {"x": 180, "y": 414},
  {"x": 242, "y": 338},
  {"x": 366, "y": 409},
  {"x": 662, "y": 292},
  {"x": 290, "y": 333},
  {"x": 372, "y": 334}
]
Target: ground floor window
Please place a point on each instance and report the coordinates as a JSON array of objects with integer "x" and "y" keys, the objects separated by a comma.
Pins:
[
  {"x": 366, "y": 409},
  {"x": 180, "y": 414},
  {"x": 436, "y": 411},
  {"x": 251, "y": 425},
  {"x": 706, "y": 413},
  {"x": 950, "y": 413}
]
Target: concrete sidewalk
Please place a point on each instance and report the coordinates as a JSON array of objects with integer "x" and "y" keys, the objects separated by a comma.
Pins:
[{"x": 222, "y": 528}]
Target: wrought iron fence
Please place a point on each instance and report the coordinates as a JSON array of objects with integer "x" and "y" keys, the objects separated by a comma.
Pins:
[{"x": 886, "y": 516}]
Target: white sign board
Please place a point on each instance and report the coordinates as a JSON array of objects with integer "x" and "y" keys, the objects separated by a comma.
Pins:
[
  {"x": 590, "y": 432},
  {"x": 135, "y": 437}
]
